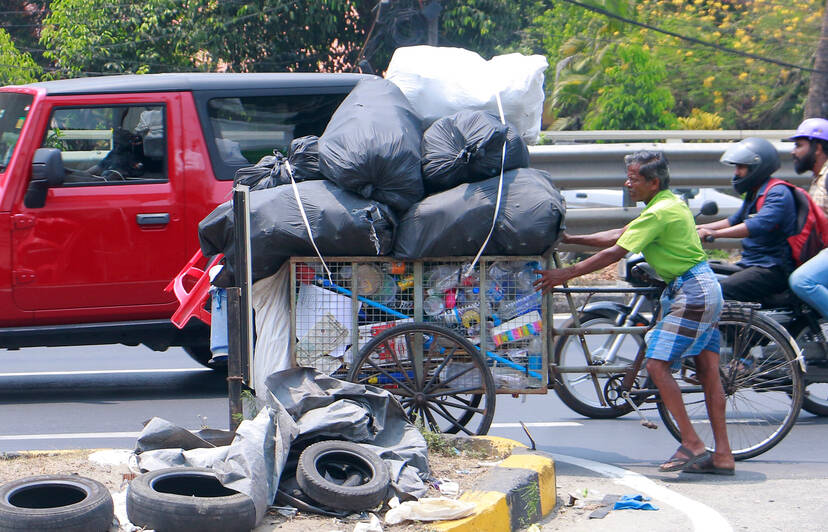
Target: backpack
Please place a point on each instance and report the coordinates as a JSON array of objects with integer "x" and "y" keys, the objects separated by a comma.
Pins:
[{"x": 811, "y": 231}]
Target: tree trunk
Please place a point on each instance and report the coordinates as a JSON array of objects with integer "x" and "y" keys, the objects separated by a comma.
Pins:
[{"x": 817, "y": 103}]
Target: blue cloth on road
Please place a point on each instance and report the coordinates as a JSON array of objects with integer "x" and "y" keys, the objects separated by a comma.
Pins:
[{"x": 633, "y": 502}]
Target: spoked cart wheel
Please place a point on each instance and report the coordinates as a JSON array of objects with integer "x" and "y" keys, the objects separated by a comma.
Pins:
[{"x": 454, "y": 391}]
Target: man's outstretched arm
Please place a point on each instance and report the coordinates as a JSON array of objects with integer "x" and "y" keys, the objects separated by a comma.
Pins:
[{"x": 552, "y": 278}]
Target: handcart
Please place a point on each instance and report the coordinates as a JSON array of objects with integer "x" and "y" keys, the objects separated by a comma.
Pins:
[
  {"x": 442, "y": 337},
  {"x": 446, "y": 338}
]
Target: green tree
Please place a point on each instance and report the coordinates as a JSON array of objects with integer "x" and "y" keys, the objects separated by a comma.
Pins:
[
  {"x": 634, "y": 95},
  {"x": 99, "y": 36},
  {"x": 15, "y": 67},
  {"x": 579, "y": 43}
]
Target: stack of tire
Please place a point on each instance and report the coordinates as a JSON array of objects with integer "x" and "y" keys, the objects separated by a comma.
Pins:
[{"x": 330, "y": 476}]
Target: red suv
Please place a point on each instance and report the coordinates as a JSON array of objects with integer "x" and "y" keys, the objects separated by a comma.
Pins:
[{"x": 104, "y": 180}]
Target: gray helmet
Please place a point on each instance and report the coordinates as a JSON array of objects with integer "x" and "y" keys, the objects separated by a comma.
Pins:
[{"x": 759, "y": 155}]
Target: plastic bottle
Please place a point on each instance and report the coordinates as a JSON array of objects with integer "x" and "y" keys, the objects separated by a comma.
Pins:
[
  {"x": 442, "y": 278},
  {"x": 520, "y": 306},
  {"x": 535, "y": 353},
  {"x": 433, "y": 305},
  {"x": 526, "y": 277},
  {"x": 218, "y": 322}
]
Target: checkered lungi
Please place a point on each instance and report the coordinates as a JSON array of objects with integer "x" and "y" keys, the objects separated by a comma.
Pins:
[{"x": 690, "y": 309}]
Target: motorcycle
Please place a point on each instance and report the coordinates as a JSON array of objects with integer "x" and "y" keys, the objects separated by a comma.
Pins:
[{"x": 802, "y": 323}]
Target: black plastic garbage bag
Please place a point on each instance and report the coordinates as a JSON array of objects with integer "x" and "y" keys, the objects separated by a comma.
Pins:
[
  {"x": 455, "y": 222},
  {"x": 467, "y": 147},
  {"x": 372, "y": 145},
  {"x": 342, "y": 223},
  {"x": 272, "y": 170}
]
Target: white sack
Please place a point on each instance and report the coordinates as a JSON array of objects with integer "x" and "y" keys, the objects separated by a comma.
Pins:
[
  {"x": 271, "y": 304},
  {"x": 442, "y": 81}
]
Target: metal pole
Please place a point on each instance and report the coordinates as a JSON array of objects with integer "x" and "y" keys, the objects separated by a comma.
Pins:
[
  {"x": 234, "y": 358},
  {"x": 244, "y": 275}
]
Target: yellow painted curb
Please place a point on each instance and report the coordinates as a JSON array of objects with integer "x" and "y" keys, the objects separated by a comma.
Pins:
[
  {"x": 519, "y": 491},
  {"x": 501, "y": 446},
  {"x": 545, "y": 468},
  {"x": 491, "y": 515}
]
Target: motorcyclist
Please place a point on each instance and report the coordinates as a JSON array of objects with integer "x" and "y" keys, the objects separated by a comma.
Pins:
[
  {"x": 810, "y": 153},
  {"x": 766, "y": 255}
]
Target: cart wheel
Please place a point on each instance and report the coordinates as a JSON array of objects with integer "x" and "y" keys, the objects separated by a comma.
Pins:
[{"x": 455, "y": 388}]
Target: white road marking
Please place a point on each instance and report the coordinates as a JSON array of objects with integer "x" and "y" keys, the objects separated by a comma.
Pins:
[
  {"x": 102, "y": 372},
  {"x": 704, "y": 518},
  {"x": 69, "y": 436},
  {"x": 537, "y": 424}
]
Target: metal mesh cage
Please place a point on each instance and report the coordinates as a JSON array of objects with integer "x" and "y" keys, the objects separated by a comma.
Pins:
[{"x": 494, "y": 306}]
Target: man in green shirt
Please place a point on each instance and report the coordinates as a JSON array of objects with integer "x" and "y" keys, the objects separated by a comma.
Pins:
[{"x": 665, "y": 233}]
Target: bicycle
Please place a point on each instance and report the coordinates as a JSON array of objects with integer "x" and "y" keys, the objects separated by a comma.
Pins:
[{"x": 760, "y": 365}]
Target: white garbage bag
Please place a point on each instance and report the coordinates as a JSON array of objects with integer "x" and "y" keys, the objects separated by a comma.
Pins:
[
  {"x": 442, "y": 81},
  {"x": 428, "y": 509}
]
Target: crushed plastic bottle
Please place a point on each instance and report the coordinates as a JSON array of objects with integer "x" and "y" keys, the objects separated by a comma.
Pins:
[{"x": 520, "y": 306}]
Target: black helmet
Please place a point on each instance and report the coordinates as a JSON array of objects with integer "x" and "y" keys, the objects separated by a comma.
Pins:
[{"x": 759, "y": 155}]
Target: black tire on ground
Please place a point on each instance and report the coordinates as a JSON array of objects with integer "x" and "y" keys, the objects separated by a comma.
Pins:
[
  {"x": 67, "y": 503},
  {"x": 456, "y": 391},
  {"x": 187, "y": 499},
  {"x": 343, "y": 475},
  {"x": 762, "y": 380}
]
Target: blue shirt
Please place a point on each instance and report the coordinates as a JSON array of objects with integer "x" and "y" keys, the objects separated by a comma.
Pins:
[{"x": 766, "y": 244}]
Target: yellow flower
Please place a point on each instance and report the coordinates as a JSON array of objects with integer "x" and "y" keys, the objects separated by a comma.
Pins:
[
  {"x": 718, "y": 100},
  {"x": 749, "y": 61},
  {"x": 762, "y": 70},
  {"x": 743, "y": 76},
  {"x": 708, "y": 81},
  {"x": 763, "y": 97},
  {"x": 688, "y": 53}
]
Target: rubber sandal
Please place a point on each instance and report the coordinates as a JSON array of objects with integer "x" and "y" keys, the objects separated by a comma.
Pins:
[
  {"x": 679, "y": 463},
  {"x": 706, "y": 466}
]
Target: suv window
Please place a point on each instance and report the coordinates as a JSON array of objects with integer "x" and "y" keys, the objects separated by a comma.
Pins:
[
  {"x": 110, "y": 145},
  {"x": 247, "y": 128},
  {"x": 13, "y": 110}
]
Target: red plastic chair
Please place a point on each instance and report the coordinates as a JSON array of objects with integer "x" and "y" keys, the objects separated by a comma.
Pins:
[{"x": 191, "y": 303}]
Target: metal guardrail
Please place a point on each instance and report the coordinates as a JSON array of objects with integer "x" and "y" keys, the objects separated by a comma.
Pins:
[
  {"x": 575, "y": 166},
  {"x": 692, "y": 165},
  {"x": 670, "y": 135}
]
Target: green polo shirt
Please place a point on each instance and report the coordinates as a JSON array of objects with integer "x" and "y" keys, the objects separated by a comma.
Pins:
[{"x": 666, "y": 233}]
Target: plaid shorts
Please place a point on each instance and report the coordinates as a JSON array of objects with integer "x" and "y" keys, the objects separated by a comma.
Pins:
[{"x": 690, "y": 309}]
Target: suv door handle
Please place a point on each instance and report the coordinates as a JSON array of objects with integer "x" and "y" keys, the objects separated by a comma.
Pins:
[{"x": 157, "y": 218}]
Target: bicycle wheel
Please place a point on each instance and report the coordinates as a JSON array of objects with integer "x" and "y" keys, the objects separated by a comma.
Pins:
[
  {"x": 762, "y": 381},
  {"x": 813, "y": 346},
  {"x": 455, "y": 391},
  {"x": 577, "y": 390}
]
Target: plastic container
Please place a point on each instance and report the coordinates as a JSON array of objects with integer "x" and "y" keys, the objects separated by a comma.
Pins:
[
  {"x": 535, "y": 353},
  {"x": 520, "y": 306},
  {"x": 526, "y": 277},
  {"x": 433, "y": 305},
  {"x": 442, "y": 278},
  {"x": 218, "y": 323}
]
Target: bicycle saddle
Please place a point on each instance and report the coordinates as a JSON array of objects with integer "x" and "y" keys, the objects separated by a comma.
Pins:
[{"x": 642, "y": 274}]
